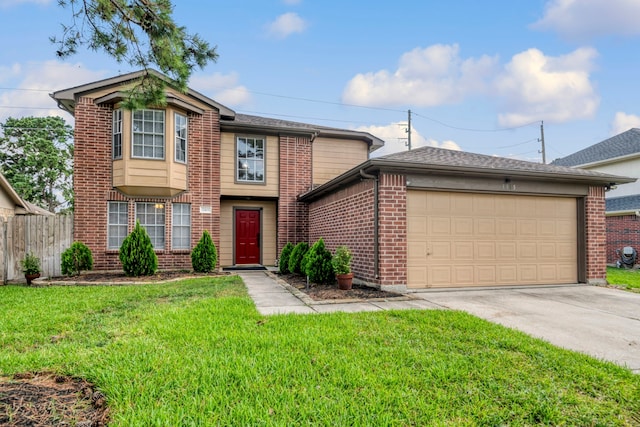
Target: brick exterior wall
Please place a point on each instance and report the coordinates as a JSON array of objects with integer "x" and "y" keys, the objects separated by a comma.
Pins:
[
  {"x": 595, "y": 229},
  {"x": 346, "y": 217},
  {"x": 295, "y": 178},
  {"x": 622, "y": 231},
  {"x": 392, "y": 222},
  {"x": 93, "y": 185}
]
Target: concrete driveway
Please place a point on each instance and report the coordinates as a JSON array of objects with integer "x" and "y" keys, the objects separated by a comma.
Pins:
[{"x": 601, "y": 322}]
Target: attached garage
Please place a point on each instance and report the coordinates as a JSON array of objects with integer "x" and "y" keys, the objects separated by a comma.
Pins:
[
  {"x": 457, "y": 239},
  {"x": 435, "y": 218}
]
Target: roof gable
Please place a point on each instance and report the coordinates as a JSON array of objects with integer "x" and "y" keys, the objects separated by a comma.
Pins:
[
  {"x": 623, "y": 144},
  {"x": 67, "y": 97}
]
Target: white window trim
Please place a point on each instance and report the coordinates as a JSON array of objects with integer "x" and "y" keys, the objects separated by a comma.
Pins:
[
  {"x": 176, "y": 138},
  {"x": 164, "y": 224},
  {"x": 164, "y": 135},
  {"x": 173, "y": 226},
  {"x": 264, "y": 160},
  {"x": 109, "y": 224},
  {"x": 116, "y": 120}
]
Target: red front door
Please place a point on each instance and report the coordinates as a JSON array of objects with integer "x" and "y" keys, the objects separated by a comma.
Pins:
[{"x": 247, "y": 236}]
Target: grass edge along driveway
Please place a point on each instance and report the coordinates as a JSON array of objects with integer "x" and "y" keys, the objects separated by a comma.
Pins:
[{"x": 196, "y": 352}]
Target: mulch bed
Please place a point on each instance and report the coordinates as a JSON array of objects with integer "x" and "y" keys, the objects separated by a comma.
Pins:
[
  {"x": 332, "y": 292},
  {"x": 120, "y": 277},
  {"x": 46, "y": 399}
]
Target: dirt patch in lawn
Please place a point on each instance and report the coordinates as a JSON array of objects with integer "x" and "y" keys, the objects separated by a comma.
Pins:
[
  {"x": 332, "y": 292},
  {"x": 109, "y": 277},
  {"x": 46, "y": 399}
]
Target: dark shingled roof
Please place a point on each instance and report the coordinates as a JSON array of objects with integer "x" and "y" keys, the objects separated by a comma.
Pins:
[
  {"x": 439, "y": 156},
  {"x": 623, "y": 203},
  {"x": 267, "y": 122},
  {"x": 617, "y": 146}
]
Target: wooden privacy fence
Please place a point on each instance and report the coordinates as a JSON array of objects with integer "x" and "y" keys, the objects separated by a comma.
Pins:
[{"x": 46, "y": 236}]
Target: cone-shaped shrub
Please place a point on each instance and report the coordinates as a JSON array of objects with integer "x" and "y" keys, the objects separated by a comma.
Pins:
[
  {"x": 283, "y": 264},
  {"x": 295, "y": 260},
  {"x": 204, "y": 256},
  {"x": 317, "y": 263},
  {"x": 76, "y": 258},
  {"x": 137, "y": 255}
]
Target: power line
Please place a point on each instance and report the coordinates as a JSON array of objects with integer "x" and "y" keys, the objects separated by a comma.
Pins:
[{"x": 476, "y": 130}]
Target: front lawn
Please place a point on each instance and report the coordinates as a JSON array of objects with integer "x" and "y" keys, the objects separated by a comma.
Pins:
[
  {"x": 196, "y": 352},
  {"x": 629, "y": 279}
]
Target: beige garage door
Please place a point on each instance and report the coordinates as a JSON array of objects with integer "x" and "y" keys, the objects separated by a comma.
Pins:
[{"x": 470, "y": 239}]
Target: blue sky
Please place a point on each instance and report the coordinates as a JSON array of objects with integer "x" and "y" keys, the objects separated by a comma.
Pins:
[{"x": 478, "y": 76}]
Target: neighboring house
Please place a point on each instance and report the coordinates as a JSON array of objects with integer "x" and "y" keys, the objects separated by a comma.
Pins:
[
  {"x": 11, "y": 204},
  {"x": 619, "y": 155},
  {"x": 425, "y": 218}
]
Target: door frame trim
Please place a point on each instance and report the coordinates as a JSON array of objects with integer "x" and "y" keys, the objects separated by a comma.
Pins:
[{"x": 233, "y": 245}]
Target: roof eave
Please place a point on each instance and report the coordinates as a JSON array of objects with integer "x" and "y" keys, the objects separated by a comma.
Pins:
[{"x": 375, "y": 165}]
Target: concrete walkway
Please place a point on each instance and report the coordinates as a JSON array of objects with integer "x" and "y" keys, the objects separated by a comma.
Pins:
[
  {"x": 274, "y": 296},
  {"x": 601, "y": 322}
]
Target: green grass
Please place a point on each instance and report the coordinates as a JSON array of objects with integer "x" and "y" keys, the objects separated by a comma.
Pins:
[
  {"x": 629, "y": 279},
  {"x": 197, "y": 353}
]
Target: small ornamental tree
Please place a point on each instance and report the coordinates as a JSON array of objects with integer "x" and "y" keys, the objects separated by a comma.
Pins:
[
  {"x": 283, "y": 264},
  {"x": 137, "y": 255},
  {"x": 76, "y": 258},
  {"x": 317, "y": 263},
  {"x": 295, "y": 260},
  {"x": 204, "y": 256}
]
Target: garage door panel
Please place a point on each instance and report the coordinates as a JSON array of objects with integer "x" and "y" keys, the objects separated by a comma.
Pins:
[{"x": 467, "y": 239}]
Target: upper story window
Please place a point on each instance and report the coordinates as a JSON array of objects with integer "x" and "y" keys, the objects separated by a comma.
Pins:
[
  {"x": 250, "y": 159},
  {"x": 181, "y": 138},
  {"x": 116, "y": 138},
  {"x": 148, "y": 134}
]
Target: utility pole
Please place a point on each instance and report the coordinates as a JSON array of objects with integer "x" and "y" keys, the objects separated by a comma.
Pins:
[
  {"x": 544, "y": 158},
  {"x": 408, "y": 130}
]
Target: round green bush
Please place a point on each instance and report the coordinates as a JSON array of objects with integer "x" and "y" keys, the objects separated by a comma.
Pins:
[
  {"x": 204, "y": 256},
  {"x": 76, "y": 258},
  {"x": 317, "y": 263},
  {"x": 295, "y": 260},
  {"x": 283, "y": 263},
  {"x": 137, "y": 255}
]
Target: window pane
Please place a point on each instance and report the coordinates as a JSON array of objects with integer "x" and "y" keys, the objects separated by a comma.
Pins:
[
  {"x": 151, "y": 217},
  {"x": 181, "y": 232},
  {"x": 148, "y": 134},
  {"x": 117, "y": 224}
]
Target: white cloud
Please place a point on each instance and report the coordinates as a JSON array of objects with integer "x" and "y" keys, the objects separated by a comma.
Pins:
[
  {"x": 579, "y": 19},
  {"x": 33, "y": 83},
  {"x": 534, "y": 87},
  {"x": 622, "y": 122},
  {"x": 285, "y": 25},
  {"x": 425, "y": 77},
  {"x": 395, "y": 139},
  {"x": 223, "y": 88}
]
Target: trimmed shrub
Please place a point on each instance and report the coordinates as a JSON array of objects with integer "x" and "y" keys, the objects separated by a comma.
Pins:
[
  {"x": 295, "y": 260},
  {"x": 76, "y": 258},
  {"x": 204, "y": 256},
  {"x": 341, "y": 260},
  {"x": 283, "y": 263},
  {"x": 317, "y": 263},
  {"x": 137, "y": 255}
]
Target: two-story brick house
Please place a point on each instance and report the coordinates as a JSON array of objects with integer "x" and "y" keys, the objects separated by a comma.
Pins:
[
  {"x": 195, "y": 165},
  {"x": 425, "y": 218}
]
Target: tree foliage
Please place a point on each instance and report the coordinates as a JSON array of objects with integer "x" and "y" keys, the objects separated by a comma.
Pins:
[
  {"x": 204, "y": 256},
  {"x": 76, "y": 258},
  {"x": 141, "y": 33},
  {"x": 316, "y": 263},
  {"x": 36, "y": 157},
  {"x": 295, "y": 259},
  {"x": 137, "y": 255},
  {"x": 285, "y": 254}
]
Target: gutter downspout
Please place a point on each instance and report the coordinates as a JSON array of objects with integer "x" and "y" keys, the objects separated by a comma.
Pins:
[{"x": 376, "y": 255}]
